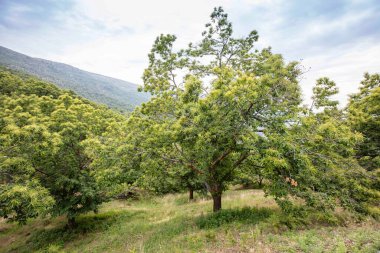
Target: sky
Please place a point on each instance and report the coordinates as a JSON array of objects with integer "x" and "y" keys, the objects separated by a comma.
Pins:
[{"x": 339, "y": 39}]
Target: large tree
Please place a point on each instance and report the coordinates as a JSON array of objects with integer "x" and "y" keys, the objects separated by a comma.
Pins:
[
  {"x": 220, "y": 108},
  {"x": 43, "y": 164},
  {"x": 212, "y": 102}
]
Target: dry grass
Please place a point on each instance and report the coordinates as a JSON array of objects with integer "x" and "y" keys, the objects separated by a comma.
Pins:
[{"x": 173, "y": 224}]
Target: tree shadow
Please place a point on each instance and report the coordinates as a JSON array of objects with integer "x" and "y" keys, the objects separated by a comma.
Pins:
[
  {"x": 166, "y": 231},
  {"x": 86, "y": 224},
  {"x": 246, "y": 215},
  {"x": 184, "y": 200}
]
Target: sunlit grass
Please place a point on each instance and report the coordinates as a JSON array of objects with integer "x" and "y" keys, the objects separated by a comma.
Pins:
[{"x": 249, "y": 222}]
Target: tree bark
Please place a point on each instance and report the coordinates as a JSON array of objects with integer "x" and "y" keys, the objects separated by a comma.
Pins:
[
  {"x": 260, "y": 182},
  {"x": 191, "y": 194},
  {"x": 217, "y": 202},
  {"x": 71, "y": 223}
]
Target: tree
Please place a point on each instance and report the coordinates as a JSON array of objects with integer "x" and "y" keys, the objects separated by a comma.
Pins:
[
  {"x": 115, "y": 157},
  {"x": 220, "y": 108},
  {"x": 363, "y": 114},
  {"x": 23, "y": 144},
  {"x": 313, "y": 160},
  {"x": 43, "y": 164},
  {"x": 211, "y": 102}
]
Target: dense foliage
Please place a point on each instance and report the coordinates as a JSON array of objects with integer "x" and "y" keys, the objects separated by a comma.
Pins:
[
  {"x": 364, "y": 112},
  {"x": 221, "y": 112},
  {"x": 221, "y": 108},
  {"x": 316, "y": 157},
  {"x": 44, "y": 168}
]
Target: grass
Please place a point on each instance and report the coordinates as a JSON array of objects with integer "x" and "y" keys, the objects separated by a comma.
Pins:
[{"x": 249, "y": 222}]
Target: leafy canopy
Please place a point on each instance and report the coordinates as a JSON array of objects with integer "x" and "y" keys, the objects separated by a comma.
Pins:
[
  {"x": 43, "y": 164},
  {"x": 221, "y": 108}
]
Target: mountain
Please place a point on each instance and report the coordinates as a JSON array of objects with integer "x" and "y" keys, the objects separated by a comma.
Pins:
[{"x": 110, "y": 91}]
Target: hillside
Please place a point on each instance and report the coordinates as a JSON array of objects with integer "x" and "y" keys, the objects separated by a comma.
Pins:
[
  {"x": 113, "y": 92},
  {"x": 250, "y": 223}
]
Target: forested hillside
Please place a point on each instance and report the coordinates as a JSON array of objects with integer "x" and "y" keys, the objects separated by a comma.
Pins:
[
  {"x": 226, "y": 125},
  {"x": 101, "y": 89}
]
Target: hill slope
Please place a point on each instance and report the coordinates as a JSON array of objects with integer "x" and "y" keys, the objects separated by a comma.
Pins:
[
  {"x": 250, "y": 223},
  {"x": 113, "y": 92}
]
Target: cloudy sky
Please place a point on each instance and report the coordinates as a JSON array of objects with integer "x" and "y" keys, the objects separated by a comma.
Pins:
[{"x": 335, "y": 38}]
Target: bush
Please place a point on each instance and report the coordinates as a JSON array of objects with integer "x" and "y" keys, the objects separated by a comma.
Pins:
[{"x": 244, "y": 215}]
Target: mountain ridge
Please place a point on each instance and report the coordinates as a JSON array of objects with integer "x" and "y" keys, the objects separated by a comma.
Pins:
[{"x": 115, "y": 93}]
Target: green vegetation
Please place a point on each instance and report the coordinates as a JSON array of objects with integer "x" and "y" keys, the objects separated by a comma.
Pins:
[
  {"x": 250, "y": 222},
  {"x": 222, "y": 114},
  {"x": 364, "y": 111},
  {"x": 109, "y": 91},
  {"x": 44, "y": 168},
  {"x": 220, "y": 106}
]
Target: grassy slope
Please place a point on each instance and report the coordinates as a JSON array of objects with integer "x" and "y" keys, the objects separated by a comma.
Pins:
[{"x": 171, "y": 224}]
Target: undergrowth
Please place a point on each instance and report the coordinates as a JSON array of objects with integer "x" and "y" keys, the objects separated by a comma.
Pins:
[{"x": 171, "y": 223}]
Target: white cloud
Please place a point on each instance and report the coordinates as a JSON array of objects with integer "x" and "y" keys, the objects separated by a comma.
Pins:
[
  {"x": 346, "y": 67},
  {"x": 164, "y": 16},
  {"x": 114, "y": 37},
  {"x": 124, "y": 55}
]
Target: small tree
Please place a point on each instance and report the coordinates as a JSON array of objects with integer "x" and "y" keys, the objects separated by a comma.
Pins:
[{"x": 313, "y": 159}]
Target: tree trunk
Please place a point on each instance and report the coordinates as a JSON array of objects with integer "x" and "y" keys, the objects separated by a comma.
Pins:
[
  {"x": 260, "y": 182},
  {"x": 71, "y": 223},
  {"x": 217, "y": 201},
  {"x": 191, "y": 194}
]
